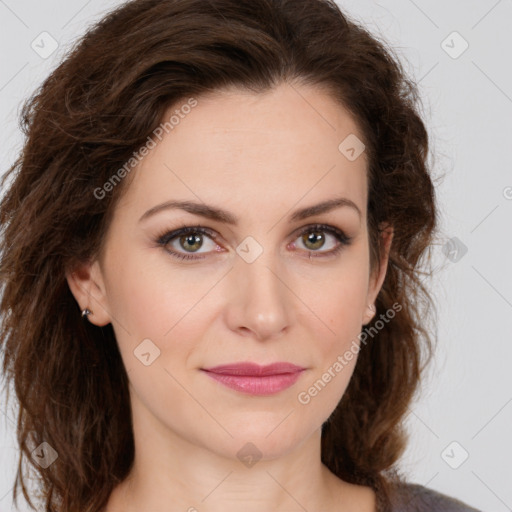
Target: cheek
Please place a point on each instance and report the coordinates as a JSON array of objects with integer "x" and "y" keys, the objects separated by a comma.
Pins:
[
  {"x": 339, "y": 299},
  {"x": 148, "y": 295},
  {"x": 339, "y": 309},
  {"x": 150, "y": 299}
]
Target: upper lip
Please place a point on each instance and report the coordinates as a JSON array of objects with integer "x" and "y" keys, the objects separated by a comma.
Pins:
[{"x": 253, "y": 369}]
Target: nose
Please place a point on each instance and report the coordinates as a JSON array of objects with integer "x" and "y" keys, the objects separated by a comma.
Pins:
[{"x": 259, "y": 304}]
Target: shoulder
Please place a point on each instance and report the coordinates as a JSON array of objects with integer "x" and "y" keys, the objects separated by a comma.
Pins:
[{"x": 411, "y": 497}]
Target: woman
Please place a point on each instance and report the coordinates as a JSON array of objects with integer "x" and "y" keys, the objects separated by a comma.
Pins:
[{"x": 212, "y": 248}]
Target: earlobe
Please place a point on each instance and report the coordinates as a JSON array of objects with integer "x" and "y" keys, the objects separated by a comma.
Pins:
[
  {"x": 86, "y": 284},
  {"x": 369, "y": 314}
]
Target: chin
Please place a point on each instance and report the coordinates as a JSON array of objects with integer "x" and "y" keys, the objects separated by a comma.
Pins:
[{"x": 265, "y": 443}]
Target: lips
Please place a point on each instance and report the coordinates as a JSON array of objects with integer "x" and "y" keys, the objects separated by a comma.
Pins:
[
  {"x": 253, "y": 379},
  {"x": 254, "y": 370}
]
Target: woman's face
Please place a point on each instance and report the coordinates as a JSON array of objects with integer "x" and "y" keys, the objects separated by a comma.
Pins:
[{"x": 268, "y": 286}]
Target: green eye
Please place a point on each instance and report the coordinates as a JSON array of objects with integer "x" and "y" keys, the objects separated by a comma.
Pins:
[
  {"x": 187, "y": 241},
  {"x": 316, "y": 239},
  {"x": 313, "y": 238},
  {"x": 193, "y": 241}
]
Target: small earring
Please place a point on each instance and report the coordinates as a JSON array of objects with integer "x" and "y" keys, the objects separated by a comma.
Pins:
[
  {"x": 86, "y": 312},
  {"x": 371, "y": 307}
]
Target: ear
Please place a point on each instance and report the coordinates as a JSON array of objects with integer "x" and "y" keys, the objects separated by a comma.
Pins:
[
  {"x": 87, "y": 286},
  {"x": 377, "y": 277}
]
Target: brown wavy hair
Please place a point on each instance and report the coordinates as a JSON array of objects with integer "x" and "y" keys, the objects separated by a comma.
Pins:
[{"x": 99, "y": 105}]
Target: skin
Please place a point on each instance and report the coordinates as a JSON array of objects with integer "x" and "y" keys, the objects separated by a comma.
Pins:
[{"x": 279, "y": 152}]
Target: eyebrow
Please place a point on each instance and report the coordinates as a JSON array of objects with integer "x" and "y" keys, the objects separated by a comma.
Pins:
[{"x": 220, "y": 215}]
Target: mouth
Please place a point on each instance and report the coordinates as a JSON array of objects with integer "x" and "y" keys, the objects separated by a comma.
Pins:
[{"x": 253, "y": 379}]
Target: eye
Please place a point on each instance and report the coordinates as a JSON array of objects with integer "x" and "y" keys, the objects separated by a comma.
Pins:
[
  {"x": 185, "y": 243},
  {"x": 190, "y": 239},
  {"x": 313, "y": 238}
]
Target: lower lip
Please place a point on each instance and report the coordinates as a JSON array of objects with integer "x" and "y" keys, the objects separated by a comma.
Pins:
[{"x": 254, "y": 385}]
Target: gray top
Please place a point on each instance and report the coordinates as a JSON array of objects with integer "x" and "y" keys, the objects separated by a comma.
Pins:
[{"x": 417, "y": 498}]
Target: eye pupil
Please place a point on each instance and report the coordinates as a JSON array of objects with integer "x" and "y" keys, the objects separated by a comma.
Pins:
[
  {"x": 192, "y": 239},
  {"x": 316, "y": 238}
]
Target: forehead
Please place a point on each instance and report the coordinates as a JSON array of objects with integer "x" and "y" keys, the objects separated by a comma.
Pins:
[{"x": 255, "y": 150}]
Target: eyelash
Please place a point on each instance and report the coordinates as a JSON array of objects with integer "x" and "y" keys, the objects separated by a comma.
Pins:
[{"x": 167, "y": 236}]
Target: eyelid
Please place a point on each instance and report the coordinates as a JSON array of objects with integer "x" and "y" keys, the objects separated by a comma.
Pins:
[
  {"x": 171, "y": 234},
  {"x": 341, "y": 237},
  {"x": 320, "y": 227}
]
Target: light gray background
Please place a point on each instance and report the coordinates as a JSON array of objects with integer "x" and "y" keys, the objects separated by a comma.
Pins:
[{"x": 467, "y": 397}]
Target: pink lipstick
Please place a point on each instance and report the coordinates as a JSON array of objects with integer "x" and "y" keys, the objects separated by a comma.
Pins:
[{"x": 254, "y": 379}]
